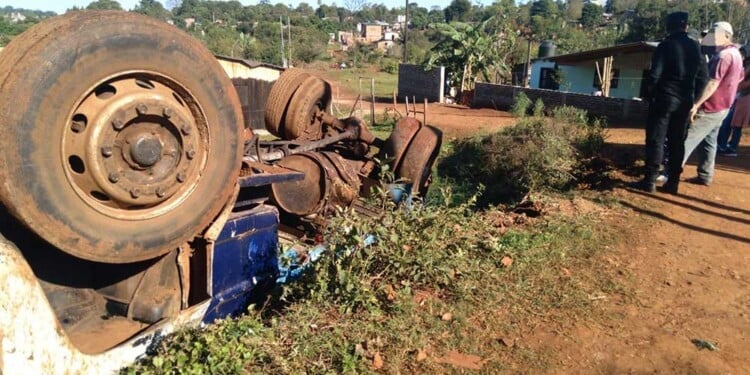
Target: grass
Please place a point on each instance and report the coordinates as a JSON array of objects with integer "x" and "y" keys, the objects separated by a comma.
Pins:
[
  {"x": 385, "y": 83},
  {"x": 435, "y": 282}
]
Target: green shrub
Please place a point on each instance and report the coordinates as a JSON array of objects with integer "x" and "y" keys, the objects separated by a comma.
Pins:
[
  {"x": 588, "y": 135},
  {"x": 536, "y": 154},
  {"x": 389, "y": 65},
  {"x": 539, "y": 108},
  {"x": 521, "y": 104}
]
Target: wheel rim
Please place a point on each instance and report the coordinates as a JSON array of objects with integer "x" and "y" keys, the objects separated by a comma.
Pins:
[{"x": 135, "y": 146}]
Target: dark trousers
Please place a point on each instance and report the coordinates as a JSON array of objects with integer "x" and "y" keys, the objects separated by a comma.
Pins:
[{"x": 667, "y": 117}]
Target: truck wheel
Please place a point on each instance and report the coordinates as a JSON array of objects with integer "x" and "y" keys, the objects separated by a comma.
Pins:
[
  {"x": 278, "y": 99},
  {"x": 312, "y": 96},
  {"x": 120, "y": 135}
]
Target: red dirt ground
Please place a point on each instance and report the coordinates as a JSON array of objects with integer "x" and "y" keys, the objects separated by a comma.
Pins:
[{"x": 688, "y": 257}]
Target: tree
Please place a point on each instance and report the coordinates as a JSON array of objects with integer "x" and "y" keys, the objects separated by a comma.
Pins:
[
  {"x": 544, "y": 8},
  {"x": 574, "y": 9},
  {"x": 591, "y": 15},
  {"x": 152, "y": 8},
  {"x": 458, "y": 10},
  {"x": 355, "y": 5},
  {"x": 104, "y": 5},
  {"x": 468, "y": 51}
]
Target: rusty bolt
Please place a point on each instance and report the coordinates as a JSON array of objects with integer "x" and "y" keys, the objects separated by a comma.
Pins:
[
  {"x": 114, "y": 177},
  {"x": 185, "y": 130},
  {"x": 77, "y": 126},
  {"x": 167, "y": 112},
  {"x": 181, "y": 177},
  {"x": 160, "y": 192},
  {"x": 107, "y": 151},
  {"x": 135, "y": 193},
  {"x": 141, "y": 109},
  {"x": 118, "y": 124},
  {"x": 190, "y": 154}
]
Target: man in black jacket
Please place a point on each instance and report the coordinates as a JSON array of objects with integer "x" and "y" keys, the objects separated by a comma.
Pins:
[{"x": 678, "y": 74}]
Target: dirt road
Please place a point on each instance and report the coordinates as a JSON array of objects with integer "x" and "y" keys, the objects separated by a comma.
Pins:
[{"x": 688, "y": 257}]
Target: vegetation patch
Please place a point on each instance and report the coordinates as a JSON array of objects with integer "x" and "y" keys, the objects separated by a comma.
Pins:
[
  {"x": 537, "y": 154},
  {"x": 444, "y": 288}
]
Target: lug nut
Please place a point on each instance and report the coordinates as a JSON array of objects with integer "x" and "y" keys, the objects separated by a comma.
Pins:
[
  {"x": 77, "y": 126},
  {"x": 160, "y": 192},
  {"x": 106, "y": 151},
  {"x": 181, "y": 177},
  {"x": 190, "y": 154},
  {"x": 113, "y": 178},
  {"x": 135, "y": 193},
  {"x": 185, "y": 130},
  {"x": 118, "y": 124},
  {"x": 141, "y": 109},
  {"x": 167, "y": 112}
]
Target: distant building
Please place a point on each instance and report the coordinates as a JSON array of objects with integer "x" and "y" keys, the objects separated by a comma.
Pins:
[
  {"x": 16, "y": 17},
  {"x": 391, "y": 35},
  {"x": 372, "y": 32},
  {"x": 385, "y": 45},
  {"x": 630, "y": 65},
  {"x": 189, "y": 22}
]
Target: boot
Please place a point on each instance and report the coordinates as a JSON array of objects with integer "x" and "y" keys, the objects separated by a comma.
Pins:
[
  {"x": 671, "y": 186},
  {"x": 646, "y": 184}
]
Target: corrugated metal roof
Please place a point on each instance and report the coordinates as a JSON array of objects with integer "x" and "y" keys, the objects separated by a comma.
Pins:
[{"x": 594, "y": 54}]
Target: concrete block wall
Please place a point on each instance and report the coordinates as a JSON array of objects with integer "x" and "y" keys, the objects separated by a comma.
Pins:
[
  {"x": 414, "y": 81},
  {"x": 501, "y": 97}
]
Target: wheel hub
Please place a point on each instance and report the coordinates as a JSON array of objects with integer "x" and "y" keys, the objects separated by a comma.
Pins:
[
  {"x": 134, "y": 149},
  {"x": 146, "y": 150}
]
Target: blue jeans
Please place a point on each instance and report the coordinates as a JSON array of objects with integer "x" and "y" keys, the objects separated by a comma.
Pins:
[
  {"x": 725, "y": 143},
  {"x": 702, "y": 134}
]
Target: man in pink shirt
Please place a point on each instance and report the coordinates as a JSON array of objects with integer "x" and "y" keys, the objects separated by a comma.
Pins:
[{"x": 710, "y": 109}]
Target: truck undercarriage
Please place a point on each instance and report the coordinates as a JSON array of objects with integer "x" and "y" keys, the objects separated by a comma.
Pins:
[{"x": 134, "y": 202}]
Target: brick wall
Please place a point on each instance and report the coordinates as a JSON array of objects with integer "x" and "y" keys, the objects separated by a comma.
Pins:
[
  {"x": 414, "y": 81},
  {"x": 500, "y": 97}
]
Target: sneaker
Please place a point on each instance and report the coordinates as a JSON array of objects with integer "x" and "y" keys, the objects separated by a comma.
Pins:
[
  {"x": 662, "y": 178},
  {"x": 698, "y": 181},
  {"x": 730, "y": 153}
]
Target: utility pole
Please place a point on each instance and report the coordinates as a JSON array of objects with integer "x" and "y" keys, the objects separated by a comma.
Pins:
[
  {"x": 289, "y": 30},
  {"x": 283, "y": 56},
  {"x": 406, "y": 32}
]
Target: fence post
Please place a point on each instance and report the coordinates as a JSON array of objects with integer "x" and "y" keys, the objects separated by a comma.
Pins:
[{"x": 372, "y": 100}]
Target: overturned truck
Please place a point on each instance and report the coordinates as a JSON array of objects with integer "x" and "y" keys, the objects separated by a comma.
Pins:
[{"x": 134, "y": 202}]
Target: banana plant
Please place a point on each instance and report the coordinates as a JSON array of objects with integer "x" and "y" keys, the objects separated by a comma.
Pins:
[{"x": 468, "y": 51}]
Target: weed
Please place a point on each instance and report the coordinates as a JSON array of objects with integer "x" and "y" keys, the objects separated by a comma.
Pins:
[
  {"x": 538, "y": 108},
  {"x": 433, "y": 282},
  {"x": 521, "y": 104}
]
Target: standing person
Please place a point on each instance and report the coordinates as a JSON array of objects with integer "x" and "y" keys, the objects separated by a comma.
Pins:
[
  {"x": 725, "y": 73},
  {"x": 678, "y": 72},
  {"x": 738, "y": 117}
]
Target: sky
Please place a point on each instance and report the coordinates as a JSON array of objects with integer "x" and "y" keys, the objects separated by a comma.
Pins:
[{"x": 60, "y": 6}]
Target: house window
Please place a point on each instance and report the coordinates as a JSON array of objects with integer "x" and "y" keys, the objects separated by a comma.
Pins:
[
  {"x": 547, "y": 79},
  {"x": 612, "y": 82}
]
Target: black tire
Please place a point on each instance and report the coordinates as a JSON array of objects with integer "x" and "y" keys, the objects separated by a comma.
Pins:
[
  {"x": 312, "y": 96},
  {"x": 278, "y": 99},
  {"x": 48, "y": 71}
]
